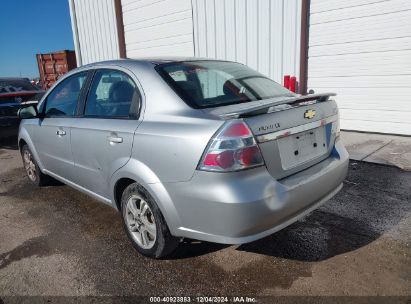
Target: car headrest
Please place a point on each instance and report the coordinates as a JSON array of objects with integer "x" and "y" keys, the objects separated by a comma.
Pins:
[
  {"x": 230, "y": 89},
  {"x": 121, "y": 91},
  {"x": 190, "y": 88}
]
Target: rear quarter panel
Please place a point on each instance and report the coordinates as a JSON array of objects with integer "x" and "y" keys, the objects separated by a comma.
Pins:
[{"x": 171, "y": 146}]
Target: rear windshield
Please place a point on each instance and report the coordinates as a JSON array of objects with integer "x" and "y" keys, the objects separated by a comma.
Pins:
[
  {"x": 204, "y": 84},
  {"x": 16, "y": 85}
]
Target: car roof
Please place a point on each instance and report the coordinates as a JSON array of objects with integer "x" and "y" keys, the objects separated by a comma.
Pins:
[
  {"x": 160, "y": 60},
  {"x": 152, "y": 60}
]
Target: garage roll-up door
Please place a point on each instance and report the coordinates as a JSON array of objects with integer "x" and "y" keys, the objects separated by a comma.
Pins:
[{"x": 361, "y": 49}]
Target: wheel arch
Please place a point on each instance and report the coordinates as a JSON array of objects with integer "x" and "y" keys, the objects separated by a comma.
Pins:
[
  {"x": 136, "y": 172},
  {"x": 119, "y": 188},
  {"x": 21, "y": 143},
  {"x": 24, "y": 138}
]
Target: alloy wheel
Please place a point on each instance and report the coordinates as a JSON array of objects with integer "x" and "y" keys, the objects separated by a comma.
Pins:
[
  {"x": 29, "y": 165},
  {"x": 140, "y": 222}
]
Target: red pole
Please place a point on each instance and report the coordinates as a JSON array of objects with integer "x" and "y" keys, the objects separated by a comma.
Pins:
[
  {"x": 293, "y": 83},
  {"x": 287, "y": 81}
]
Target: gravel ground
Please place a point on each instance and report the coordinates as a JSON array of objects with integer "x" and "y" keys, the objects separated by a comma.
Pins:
[{"x": 56, "y": 241}]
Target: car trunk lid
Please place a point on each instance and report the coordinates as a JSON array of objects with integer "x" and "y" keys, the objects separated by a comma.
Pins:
[{"x": 293, "y": 133}]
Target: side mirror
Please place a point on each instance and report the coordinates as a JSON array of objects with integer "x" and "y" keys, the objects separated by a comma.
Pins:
[
  {"x": 311, "y": 91},
  {"x": 28, "y": 112}
]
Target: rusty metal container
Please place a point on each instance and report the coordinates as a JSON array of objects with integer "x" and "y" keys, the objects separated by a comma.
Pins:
[{"x": 53, "y": 65}]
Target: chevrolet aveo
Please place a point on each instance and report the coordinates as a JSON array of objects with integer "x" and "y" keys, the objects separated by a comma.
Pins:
[{"x": 186, "y": 148}]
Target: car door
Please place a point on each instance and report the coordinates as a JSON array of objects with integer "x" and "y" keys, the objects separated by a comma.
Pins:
[
  {"x": 52, "y": 134},
  {"x": 102, "y": 139}
]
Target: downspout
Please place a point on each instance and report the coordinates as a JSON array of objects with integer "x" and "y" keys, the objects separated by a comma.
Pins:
[
  {"x": 120, "y": 29},
  {"x": 304, "y": 38}
]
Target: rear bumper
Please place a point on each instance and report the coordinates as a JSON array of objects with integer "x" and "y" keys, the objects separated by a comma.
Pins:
[{"x": 241, "y": 207}]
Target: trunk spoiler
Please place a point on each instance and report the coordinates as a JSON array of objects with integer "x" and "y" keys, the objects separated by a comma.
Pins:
[{"x": 265, "y": 108}]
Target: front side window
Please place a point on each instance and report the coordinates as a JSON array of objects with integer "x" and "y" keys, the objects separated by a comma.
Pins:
[
  {"x": 209, "y": 83},
  {"x": 62, "y": 101},
  {"x": 112, "y": 94}
]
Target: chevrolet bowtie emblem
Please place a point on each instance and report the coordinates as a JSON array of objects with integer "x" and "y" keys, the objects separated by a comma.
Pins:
[{"x": 309, "y": 114}]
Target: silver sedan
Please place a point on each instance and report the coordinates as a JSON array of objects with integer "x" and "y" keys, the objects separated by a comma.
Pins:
[{"x": 186, "y": 148}]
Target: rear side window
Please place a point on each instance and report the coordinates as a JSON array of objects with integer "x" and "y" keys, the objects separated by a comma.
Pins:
[
  {"x": 112, "y": 94},
  {"x": 62, "y": 101},
  {"x": 208, "y": 83}
]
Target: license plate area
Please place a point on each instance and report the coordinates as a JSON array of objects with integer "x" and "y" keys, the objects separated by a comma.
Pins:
[{"x": 302, "y": 147}]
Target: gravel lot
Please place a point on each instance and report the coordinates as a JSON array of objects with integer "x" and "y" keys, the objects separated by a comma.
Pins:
[{"x": 56, "y": 241}]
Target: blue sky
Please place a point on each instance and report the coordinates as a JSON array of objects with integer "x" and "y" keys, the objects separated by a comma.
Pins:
[{"x": 28, "y": 27}]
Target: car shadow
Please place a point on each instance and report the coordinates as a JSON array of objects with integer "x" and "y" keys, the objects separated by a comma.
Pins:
[
  {"x": 319, "y": 236},
  {"x": 373, "y": 202},
  {"x": 189, "y": 248}
]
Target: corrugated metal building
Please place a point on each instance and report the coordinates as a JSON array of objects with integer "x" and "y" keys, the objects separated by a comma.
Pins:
[{"x": 360, "y": 49}]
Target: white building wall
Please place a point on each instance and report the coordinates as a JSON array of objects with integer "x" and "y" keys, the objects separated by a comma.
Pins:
[
  {"x": 264, "y": 34},
  {"x": 158, "y": 28},
  {"x": 94, "y": 30},
  {"x": 361, "y": 49}
]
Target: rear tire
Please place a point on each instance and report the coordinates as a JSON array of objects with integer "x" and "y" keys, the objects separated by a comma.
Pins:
[
  {"x": 32, "y": 169},
  {"x": 144, "y": 223}
]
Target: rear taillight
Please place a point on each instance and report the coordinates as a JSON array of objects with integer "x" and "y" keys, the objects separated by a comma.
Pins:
[{"x": 233, "y": 148}]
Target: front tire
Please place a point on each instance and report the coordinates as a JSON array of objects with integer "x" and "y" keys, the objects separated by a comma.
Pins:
[
  {"x": 32, "y": 169},
  {"x": 144, "y": 223}
]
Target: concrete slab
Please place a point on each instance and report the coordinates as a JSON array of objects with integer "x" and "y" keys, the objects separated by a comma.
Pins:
[
  {"x": 397, "y": 153},
  {"x": 378, "y": 148},
  {"x": 361, "y": 145}
]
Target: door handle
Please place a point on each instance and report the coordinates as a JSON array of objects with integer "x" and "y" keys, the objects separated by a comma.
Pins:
[
  {"x": 60, "y": 132},
  {"x": 115, "y": 139}
]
